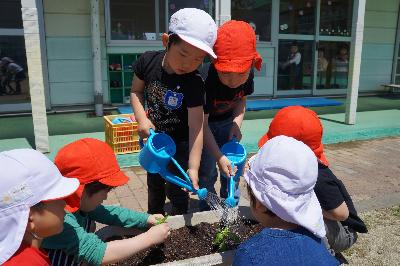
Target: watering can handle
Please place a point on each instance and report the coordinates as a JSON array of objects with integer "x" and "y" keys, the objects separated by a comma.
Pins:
[
  {"x": 187, "y": 178},
  {"x": 231, "y": 186},
  {"x": 152, "y": 132}
]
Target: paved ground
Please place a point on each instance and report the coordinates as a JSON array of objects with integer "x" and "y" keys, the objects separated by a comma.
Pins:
[{"x": 369, "y": 169}]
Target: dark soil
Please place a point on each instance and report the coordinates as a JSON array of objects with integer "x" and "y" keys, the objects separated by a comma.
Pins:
[{"x": 191, "y": 241}]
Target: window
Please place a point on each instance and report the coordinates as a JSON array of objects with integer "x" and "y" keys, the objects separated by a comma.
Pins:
[
  {"x": 146, "y": 19},
  {"x": 14, "y": 85},
  {"x": 257, "y": 14},
  {"x": 396, "y": 57},
  {"x": 336, "y": 17},
  {"x": 206, "y": 5},
  {"x": 295, "y": 65},
  {"x": 333, "y": 65},
  {"x": 10, "y": 14},
  {"x": 135, "y": 20},
  {"x": 297, "y": 17}
]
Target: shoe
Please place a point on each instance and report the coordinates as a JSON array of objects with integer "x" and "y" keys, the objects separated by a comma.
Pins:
[{"x": 117, "y": 67}]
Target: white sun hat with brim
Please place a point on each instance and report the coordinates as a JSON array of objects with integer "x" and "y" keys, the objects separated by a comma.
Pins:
[
  {"x": 195, "y": 27},
  {"x": 27, "y": 177},
  {"x": 282, "y": 176}
]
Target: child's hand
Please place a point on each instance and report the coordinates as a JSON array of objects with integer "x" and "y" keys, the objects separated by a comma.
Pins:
[
  {"x": 194, "y": 176},
  {"x": 143, "y": 128},
  {"x": 225, "y": 166},
  {"x": 158, "y": 233},
  {"x": 235, "y": 132},
  {"x": 247, "y": 165},
  {"x": 152, "y": 220}
]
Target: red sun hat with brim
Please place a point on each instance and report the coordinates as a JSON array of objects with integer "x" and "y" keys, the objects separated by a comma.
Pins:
[
  {"x": 88, "y": 160},
  {"x": 236, "y": 48},
  {"x": 300, "y": 123}
]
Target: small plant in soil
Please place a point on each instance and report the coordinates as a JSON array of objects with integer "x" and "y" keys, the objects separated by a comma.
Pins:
[
  {"x": 194, "y": 241},
  {"x": 161, "y": 220},
  {"x": 224, "y": 238}
]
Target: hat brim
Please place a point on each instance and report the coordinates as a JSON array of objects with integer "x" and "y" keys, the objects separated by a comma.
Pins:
[
  {"x": 15, "y": 220},
  {"x": 62, "y": 189},
  {"x": 238, "y": 65},
  {"x": 115, "y": 180},
  {"x": 303, "y": 210},
  {"x": 198, "y": 44}
]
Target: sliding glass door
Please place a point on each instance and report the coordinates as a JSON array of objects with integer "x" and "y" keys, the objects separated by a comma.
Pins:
[{"x": 313, "y": 47}]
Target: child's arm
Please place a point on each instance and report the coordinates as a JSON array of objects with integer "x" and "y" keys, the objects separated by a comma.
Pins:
[
  {"x": 238, "y": 115},
  {"x": 195, "y": 123},
  {"x": 211, "y": 145},
  {"x": 124, "y": 217},
  {"x": 116, "y": 215},
  {"x": 340, "y": 213},
  {"x": 121, "y": 249},
  {"x": 330, "y": 196},
  {"x": 137, "y": 102}
]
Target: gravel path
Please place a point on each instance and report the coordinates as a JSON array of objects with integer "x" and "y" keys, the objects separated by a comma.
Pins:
[{"x": 381, "y": 245}]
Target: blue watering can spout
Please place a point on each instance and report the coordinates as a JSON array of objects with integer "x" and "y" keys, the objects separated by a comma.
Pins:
[
  {"x": 236, "y": 153},
  {"x": 231, "y": 201}
]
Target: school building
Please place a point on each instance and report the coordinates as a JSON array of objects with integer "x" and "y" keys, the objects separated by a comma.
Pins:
[{"x": 80, "y": 52}]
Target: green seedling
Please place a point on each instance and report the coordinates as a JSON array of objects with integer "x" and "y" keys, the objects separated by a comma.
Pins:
[
  {"x": 223, "y": 237},
  {"x": 161, "y": 220}
]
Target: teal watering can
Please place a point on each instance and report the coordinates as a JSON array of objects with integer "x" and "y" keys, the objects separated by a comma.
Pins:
[
  {"x": 236, "y": 153},
  {"x": 157, "y": 154}
]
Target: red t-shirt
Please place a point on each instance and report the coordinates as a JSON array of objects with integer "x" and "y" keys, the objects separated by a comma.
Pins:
[{"x": 28, "y": 255}]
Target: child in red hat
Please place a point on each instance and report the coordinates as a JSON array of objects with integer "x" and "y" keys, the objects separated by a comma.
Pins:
[
  {"x": 94, "y": 164},
  {"x": 340, "y": 216},
  {"x": 229, "y": 81}
]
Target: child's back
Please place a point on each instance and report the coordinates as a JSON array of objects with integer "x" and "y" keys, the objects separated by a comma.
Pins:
[
  {"x": 283, "y": 247},
  {"x": 280, "y": 180}
]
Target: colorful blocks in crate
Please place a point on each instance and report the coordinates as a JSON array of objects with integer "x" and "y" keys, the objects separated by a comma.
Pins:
[{"x": 123, "y": 136}]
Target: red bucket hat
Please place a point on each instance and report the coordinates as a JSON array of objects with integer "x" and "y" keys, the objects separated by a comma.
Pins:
[
  {"x": 300, "y": 123},
  {"x": 88, "y": 160},
  {"x": 236, "y": 48}
]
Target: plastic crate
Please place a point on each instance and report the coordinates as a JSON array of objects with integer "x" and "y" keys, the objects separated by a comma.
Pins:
[{"x": 122, "y": 138}]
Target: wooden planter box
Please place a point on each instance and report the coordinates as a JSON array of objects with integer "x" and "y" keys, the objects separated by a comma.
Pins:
[{"x": 175, "y": 222}]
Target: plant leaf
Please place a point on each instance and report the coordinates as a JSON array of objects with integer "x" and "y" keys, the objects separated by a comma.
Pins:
[{"x": 161, "y": 220}]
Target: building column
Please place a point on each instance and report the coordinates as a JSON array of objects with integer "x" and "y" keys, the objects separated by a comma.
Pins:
[
  {"x": 35, "y": 72},
  {"x": 224, "y": 14},
  {"x": 96, "y": 56},
  {"x": 355, "y": 61}
]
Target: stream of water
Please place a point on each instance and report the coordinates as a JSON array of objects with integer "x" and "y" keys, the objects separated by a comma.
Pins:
[{"x": 229, "y": 216}]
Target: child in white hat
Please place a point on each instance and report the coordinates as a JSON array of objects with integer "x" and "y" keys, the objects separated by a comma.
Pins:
[
  {"x": 31, "y": 205},
  {"x": 280, "y": 180},
  {"x": 174, "y": 98}
]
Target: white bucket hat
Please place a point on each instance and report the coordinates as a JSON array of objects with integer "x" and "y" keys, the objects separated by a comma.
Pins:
[
  {"x": 27, "y": 177},
  {"x": 196, "y": 27},
  {"x": 282, "y": 176}
]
